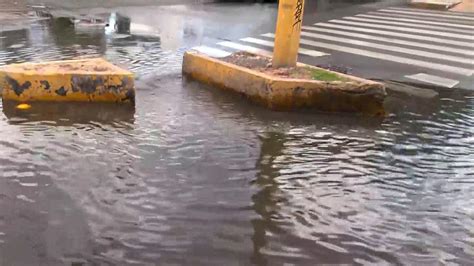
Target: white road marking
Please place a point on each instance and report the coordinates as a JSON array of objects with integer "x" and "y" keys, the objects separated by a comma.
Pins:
[
  {"x": 397, "y": 49},
  {"x": 213, "y": 52},
  {"x": 387, "y": 27},
  {"x": 468, "y": 23},
  {"x": 397, "y": 34},
  {"x": 392, "y": 58},
  {"x": 427, "y": 14},
  {"x": 418, "y": 21},
  {"x": 390, "y": 40},
  {"x": 443, "y": 82},
  {"x": 415, "y": 25},
  {"x": 246, "y": 48},
  {"x": 271, "y": 44}
]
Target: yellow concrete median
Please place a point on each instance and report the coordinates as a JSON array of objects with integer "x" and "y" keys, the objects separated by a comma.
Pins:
[
  {"x": 351, "y": 95},
  {"x": 91, "y": 80}
]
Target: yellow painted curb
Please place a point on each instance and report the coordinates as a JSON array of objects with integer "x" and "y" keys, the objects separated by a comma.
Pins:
[
  {"x": 282, "y": 94},
  {"x": 91, "y": 80}
]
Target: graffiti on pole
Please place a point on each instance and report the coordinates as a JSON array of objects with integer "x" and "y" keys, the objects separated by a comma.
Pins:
[{"x": 298, "y": 15}]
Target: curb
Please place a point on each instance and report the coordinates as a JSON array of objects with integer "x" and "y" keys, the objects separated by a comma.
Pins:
[{"x": 282, "y": 94}]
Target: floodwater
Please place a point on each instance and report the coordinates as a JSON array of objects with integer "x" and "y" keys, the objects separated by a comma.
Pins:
[{"x": 201, "y": 177}]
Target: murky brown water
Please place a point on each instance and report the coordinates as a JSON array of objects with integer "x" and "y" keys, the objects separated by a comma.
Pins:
[{"x": 196, "y": 176}]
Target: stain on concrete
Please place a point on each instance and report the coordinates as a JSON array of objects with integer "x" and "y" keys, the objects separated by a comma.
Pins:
[
  {"x": 119, "y": 88},
  {"x": 15, "y": 85},
  {"x": 45, "y": 84},
  {"x": 61, "y": 91},
  {"x": 129, "y": 96},
  {"x": 125, "y": 82},
  {"x": 86, "y": 84},
  {"x": 298, "y": 91}
]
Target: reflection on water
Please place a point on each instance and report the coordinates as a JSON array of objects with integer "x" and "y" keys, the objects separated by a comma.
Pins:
[
  {"x": 197, "y": 176},
  {"x": 70, "y": 113}
]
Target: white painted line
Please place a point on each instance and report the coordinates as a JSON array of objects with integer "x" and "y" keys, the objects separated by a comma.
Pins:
[
  {"x": 271, "y": 44},
  {"x": 427, "y": 14},
  {"x": 468, "y": 23},
  {"x": 390, "y": 40},
  {"x": 392, "y": 58},
  {"x": 418, "y": 21},
  {"x": 397, "y": 49},
  {"x": 212, "y": 52},
  {"x": 443, "y": 82},
  {"x": 434, "y": 11},
  {"x": 419, "y": 31},
  {"x": 412, "y": 25},
  {"x": 397, "y": 34},
  {"x": 246, "y": 48}
]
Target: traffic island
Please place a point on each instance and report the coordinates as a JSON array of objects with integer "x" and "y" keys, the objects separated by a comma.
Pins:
[
  {"x": 86, "y": 80},
  {"x": 286, "y": 89}
]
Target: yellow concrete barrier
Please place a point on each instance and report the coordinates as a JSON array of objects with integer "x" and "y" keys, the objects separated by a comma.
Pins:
[
  {"x": 90, "y": 80},
  {"x": 282, "y": 94}
]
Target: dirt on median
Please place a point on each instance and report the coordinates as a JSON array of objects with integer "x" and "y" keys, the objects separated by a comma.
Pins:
[{"x": 264, "y": 64}]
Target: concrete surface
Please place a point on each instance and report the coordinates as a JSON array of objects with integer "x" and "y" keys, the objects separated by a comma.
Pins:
[
  {"x": 465, "y": 6},
  {"x": 435, "y": 4}
]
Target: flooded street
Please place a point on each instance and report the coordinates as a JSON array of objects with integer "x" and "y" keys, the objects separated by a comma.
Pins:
[{"x": 198, "y": 176}]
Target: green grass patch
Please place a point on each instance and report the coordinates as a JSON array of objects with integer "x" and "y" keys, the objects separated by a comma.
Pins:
[{"x": 323, "y": 75}]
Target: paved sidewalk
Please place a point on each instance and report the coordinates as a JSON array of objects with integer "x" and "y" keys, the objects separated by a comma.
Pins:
[{"x": 465, "y": 6}]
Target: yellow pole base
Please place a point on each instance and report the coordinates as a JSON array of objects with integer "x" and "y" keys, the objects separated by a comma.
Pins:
[{"x": 288, "y": 30}]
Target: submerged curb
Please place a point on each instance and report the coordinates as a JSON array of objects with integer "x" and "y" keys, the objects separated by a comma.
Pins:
[
  {"x": 86, "y": 80},
  {"x": 284, "y": 94}
]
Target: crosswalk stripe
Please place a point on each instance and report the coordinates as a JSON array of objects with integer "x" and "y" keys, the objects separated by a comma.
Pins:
[
  {"x": 416, "y": 21},
  {"x": 390, "y": 40},
  {"x": 439, "y": 81},
  {"x": 397, "y": 49},
  {"x": 213, "y": 52},
  {"x": 387, "y": 27},
  {"x": 271, "y": 44},
  {"x": 427, "y": 14},
  {"x": 392, "y": 58},
  {"x": 391, "y": 33},
  {"x": 416, "y": 25},
  {"x": 434, "y": 11},
  {"x": 246, "y": 48},
  {"x": 467, "y": 23}
]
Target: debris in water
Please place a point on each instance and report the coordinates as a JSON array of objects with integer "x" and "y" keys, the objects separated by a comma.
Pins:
[{"x": 23, "y": 106}]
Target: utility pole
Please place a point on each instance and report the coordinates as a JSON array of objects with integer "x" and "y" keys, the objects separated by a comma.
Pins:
[{"x": 288, "y": 30}]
